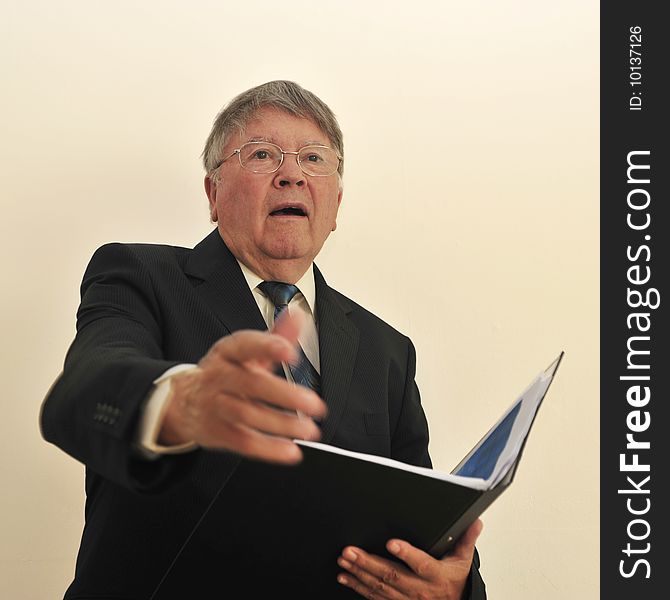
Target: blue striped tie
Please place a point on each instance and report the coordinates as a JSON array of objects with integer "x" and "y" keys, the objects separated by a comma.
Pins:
[{"x": 281, "y": 294}]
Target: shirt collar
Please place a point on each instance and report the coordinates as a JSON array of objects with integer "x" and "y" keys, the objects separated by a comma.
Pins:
[{"x": 305, "y": 284}]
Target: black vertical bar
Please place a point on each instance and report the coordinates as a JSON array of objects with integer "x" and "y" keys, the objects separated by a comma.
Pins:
[{"x": 635, "y": 258}]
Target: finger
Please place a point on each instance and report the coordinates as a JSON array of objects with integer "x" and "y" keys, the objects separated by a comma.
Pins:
[
  {"x": 246, "y": 346},
  {"x": 359, "y": 587},
  {"x": 421, "y": 563},
  {"x": 264, "y": 418},
  {"x": 367, "y": 586},
  {"x": 379, "y": 574},
  {"x": 253, "y": 444},
  {"x": 253, "y": 382},
  {"x": 465, "y": 548}
]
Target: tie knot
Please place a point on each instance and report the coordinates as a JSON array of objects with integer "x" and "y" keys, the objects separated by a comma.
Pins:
[{"x": 280, "y": 293}]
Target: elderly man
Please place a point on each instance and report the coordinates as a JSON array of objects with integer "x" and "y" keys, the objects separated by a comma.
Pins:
[{"x": 179, "y": 395}]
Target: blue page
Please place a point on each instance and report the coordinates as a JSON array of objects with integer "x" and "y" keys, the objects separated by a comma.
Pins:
[{"x": 483, "y": 460}]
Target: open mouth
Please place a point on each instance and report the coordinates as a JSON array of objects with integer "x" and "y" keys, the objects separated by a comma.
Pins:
[{"x": 291, "y": 211}]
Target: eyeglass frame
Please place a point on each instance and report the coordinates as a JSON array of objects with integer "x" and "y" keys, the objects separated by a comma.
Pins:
[{"x": 281, "y": 162}]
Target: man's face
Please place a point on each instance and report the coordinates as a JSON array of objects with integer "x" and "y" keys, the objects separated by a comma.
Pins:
[{"x": 274, "y": 223}]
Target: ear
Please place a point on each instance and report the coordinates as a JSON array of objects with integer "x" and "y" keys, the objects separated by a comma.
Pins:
[
  {"x": 339, "y": 201},
  {"x": 210, "y": 190}
]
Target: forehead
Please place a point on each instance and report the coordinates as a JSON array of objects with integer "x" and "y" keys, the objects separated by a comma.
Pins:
[{"x": 282, "y": 128}]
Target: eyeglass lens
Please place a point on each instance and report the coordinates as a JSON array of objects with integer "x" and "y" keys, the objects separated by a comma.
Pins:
[{"x": 264, "y": 157}]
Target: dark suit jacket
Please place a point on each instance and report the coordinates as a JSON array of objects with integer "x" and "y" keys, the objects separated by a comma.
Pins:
[{"x": 146, "y": 308}]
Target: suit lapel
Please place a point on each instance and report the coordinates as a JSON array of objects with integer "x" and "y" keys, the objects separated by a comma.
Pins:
[
  {"x": 219, "y": 281},
  {"x": 221, "y": 284},
  {"x": 338, "y": 346}
]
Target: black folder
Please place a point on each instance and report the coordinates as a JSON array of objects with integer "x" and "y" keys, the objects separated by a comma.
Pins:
[
  {"x": 376, "y": 502},
  {"x": 286, "y": 526}
]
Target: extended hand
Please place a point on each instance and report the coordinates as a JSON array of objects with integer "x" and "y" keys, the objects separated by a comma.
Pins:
[
  {"x": 376, "y": 577},
  {"x": 231, "y": 400}
]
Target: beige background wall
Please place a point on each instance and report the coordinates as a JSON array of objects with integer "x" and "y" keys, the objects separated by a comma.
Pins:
[{"x": 471, "y": 132}]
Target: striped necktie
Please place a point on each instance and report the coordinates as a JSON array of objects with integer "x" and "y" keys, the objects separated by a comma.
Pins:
[{"x": 281, "y": 294}]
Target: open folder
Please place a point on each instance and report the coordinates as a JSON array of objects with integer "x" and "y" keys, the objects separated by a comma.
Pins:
[
  {"x": 287, "y": 526},
  {"x": 426, "y": 507}
]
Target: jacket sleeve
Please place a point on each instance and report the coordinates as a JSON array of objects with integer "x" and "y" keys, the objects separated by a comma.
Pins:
[
  {"x": 92, "y": 410},
  {"x": 409, "y": 436},
  {"x": 476, "y": 588}
]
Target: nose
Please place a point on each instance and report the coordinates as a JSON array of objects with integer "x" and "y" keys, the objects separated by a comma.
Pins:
[{"x": 289, "y": 173}]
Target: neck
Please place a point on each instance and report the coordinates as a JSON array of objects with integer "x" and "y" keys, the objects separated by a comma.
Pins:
[
  {"x": 280, "y": 270},
  {"x": 272, "y": 269}
]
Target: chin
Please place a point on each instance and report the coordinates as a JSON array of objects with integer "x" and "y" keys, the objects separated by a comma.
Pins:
[{"x": 287, "y": 249}]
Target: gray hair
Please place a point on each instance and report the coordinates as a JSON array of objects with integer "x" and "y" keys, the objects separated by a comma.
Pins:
[{"x": 287, "y": 96}]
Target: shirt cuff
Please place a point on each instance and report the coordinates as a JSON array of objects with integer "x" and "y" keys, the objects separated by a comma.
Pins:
[{"x": 153, "y": 413}]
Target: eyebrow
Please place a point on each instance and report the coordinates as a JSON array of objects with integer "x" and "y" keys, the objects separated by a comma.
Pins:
[{"x": 270, "y": 139}]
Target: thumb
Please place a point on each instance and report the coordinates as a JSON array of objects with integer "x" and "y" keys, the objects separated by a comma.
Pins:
[
  {"x": 288, "y": 326},
  {"x": 465, "y": 548}
]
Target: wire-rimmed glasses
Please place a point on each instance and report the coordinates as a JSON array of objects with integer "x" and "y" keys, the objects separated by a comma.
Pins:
[{"x": 264, "y": 157}]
